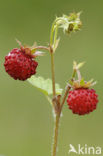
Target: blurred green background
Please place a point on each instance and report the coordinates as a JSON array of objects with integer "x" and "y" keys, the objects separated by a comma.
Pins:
[{"x": 26, "y": 122}]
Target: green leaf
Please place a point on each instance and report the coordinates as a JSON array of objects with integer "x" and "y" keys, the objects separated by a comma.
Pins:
[{"x": 45, "y": 86}]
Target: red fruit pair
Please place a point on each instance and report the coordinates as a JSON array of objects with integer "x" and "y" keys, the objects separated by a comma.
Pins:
[
  {"x": 82, "y": 101},
  {"x": 20, "y": 65}
]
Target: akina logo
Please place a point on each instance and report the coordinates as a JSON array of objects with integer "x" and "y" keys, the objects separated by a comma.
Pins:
[{"x": 90, "y": 150}]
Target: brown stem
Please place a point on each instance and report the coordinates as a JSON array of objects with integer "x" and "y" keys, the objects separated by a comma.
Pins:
[
  {"x": 65, "y": 95},
  {"x": 57, "y": 118},
  {"x": 55, "y": 139}
]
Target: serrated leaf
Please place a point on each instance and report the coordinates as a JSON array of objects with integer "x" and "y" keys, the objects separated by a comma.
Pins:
[{"x": 44, "y": 86}]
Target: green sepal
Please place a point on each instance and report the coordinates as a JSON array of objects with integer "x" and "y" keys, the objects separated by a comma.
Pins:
[
  {"x": 71, "y": 82},
  {"x": 80, "y": 65},
  {"x": 82, "y": 82}
]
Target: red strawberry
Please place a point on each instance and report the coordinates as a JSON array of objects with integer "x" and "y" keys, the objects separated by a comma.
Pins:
[
  {"x": 82, "y": 101},
  {"x": 20, "y": 65}
]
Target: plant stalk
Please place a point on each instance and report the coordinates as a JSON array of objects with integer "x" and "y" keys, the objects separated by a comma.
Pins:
[
  {"x": 53, "y": 73},
  {"x": 65, "y": 95},
  {"x": 53, "y": 37},
  {"x": 55, "y": 139}
]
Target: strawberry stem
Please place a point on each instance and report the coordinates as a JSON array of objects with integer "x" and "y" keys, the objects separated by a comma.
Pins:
[
  {"x": 53, "y": 37},
  {"x": 53, "y": 73},
  {"x": 65, "y": 95},
  {"x": 61, "y": 22},
  {"x": 57, "y": 119}
]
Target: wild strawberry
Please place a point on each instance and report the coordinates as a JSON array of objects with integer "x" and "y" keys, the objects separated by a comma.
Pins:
[
  {"x": 19, "y": 64},
  {"x": 82, "y": 101}
]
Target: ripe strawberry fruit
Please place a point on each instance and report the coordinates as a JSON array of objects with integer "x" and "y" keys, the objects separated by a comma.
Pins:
[
  {"x": 20, "y": 65},
  {"x": 82, "y": 101}
]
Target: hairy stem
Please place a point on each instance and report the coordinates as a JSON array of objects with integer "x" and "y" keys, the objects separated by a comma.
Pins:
[
  {"x": 53, "y": 73},
  {"x": 67, "y": 89},
  {"x": 57, "y": 119},
  {"x": 53, "y": 37},
  {"x": 52, "y": 42},
  {"x": 56, "y": 126},
  {"x": 55, "y": 139},
  {"x": 65, "y": 95}
]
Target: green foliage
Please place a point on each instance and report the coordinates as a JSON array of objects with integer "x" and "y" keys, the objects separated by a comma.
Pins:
[{"x": 45, "y": 86}]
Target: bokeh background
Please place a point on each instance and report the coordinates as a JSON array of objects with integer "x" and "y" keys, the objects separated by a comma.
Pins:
[{"x": 26, "y": 120}]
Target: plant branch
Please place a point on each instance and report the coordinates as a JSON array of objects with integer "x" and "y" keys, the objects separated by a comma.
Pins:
[
  {"x": 53, "y": 73},
  {"x": 65, "y": 95},
  {"x": 68, "y": 87}
]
